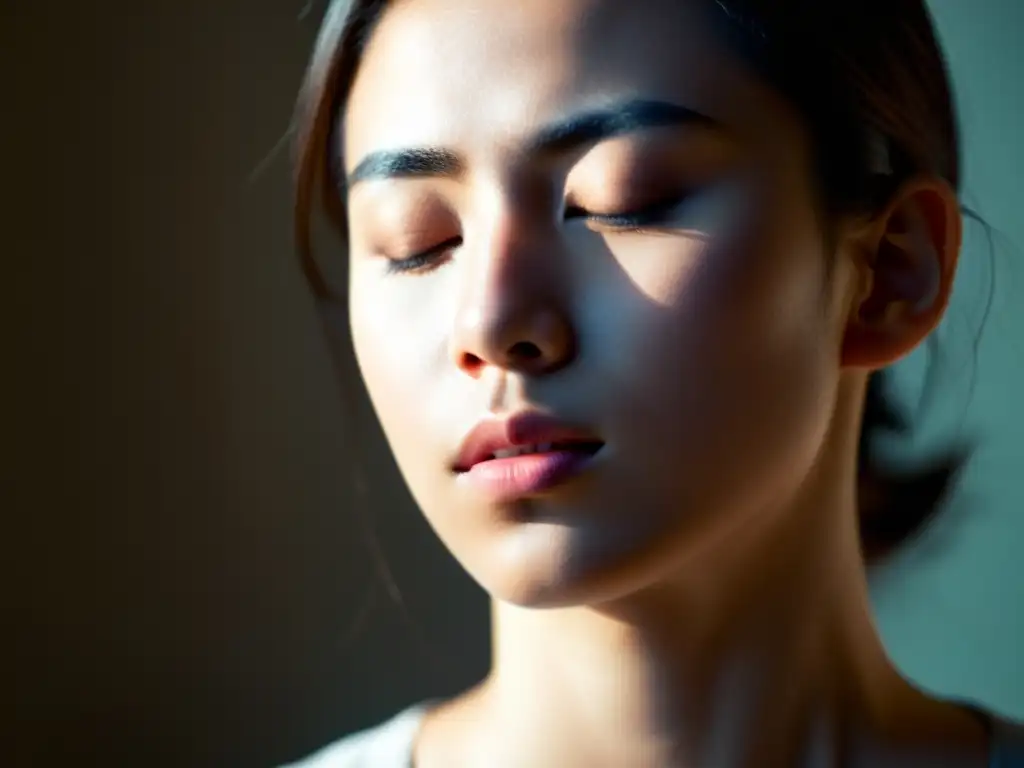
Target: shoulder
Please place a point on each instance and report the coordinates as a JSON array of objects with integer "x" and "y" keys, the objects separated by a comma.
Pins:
[
  {"x": 1007, "y": 744},
  {"x": 389, "y": 745}
]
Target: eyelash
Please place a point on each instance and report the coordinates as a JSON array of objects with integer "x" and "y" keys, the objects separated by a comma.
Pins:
[
  {"x": 650, "y": 216},
  {"x": 424, "y": 260}
]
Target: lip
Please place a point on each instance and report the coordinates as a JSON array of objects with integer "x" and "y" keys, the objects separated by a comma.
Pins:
[{"x": 569, "y": 449}]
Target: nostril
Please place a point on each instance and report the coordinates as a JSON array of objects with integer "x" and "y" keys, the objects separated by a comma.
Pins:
[
  {"x": 524, "y": 351},
  {"x": 471, "y": 363}
]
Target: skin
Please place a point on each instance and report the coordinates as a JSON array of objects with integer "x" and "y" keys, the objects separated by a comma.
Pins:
[{"x": 697, "y": 598}]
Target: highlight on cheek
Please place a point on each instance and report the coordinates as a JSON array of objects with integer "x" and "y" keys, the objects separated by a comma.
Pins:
[{"x": 663, "y": 269}]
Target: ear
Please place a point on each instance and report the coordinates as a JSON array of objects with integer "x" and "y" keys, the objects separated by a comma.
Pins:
[{"x": 908, "y": 257}]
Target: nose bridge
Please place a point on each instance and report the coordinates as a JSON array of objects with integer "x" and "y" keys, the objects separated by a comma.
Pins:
[
  {"x": 501, "y": 271},
  {"x": 510, "y": 313}
]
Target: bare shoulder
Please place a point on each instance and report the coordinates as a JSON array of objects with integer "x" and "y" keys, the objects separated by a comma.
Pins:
[{"x": 450, "y": 732}]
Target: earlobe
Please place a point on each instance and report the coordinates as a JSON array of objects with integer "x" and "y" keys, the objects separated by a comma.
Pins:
[{"x": 912, "y": 253}]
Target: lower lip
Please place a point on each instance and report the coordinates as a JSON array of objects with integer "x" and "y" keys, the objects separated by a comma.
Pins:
[{"x": 504, "y": 480}]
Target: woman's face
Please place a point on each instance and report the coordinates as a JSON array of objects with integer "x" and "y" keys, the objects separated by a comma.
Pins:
[{"x": 698, "y": 345}]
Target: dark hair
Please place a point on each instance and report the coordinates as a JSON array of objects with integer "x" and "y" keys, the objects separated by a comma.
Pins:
[{"x": 871, "y": 83}]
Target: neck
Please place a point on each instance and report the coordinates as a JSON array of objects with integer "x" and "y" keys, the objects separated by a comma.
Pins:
[
  {"x": 746, "y": 657},
  {"x": 758, "y": 652}
]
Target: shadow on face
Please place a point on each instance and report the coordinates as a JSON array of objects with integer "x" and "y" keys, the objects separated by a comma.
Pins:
[{"x": 593, "y": 210}]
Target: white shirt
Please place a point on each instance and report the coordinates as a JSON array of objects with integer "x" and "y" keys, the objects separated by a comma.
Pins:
[{"x": 390, "y": 745}]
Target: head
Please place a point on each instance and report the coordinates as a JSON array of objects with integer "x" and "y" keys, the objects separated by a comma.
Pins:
[{"x": 697, "y": 229}]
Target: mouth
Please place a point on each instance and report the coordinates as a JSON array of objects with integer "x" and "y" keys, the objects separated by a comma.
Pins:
[
  {"x": 529, "y": 454},
  {"x": 586, "y": 447},
  {"x": 527, "y": 471}
]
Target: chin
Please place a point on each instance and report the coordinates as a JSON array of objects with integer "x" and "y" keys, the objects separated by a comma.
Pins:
[{"x": 552, "y": 565}]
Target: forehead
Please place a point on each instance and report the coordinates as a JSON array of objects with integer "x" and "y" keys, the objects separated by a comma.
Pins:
[{"x": 481, "y": 75}]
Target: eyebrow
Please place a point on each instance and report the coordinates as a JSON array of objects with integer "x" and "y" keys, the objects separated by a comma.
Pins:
[{"x": 562, "y": 136}]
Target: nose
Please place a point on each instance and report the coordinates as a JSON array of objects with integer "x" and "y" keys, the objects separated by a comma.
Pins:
[{"x": 513, "y": 314}]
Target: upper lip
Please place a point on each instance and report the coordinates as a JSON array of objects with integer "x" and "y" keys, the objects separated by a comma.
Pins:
[{"x": 521, "y": 429}]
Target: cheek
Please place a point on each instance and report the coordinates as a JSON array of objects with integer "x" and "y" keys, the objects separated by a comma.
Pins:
[
  {"x": 397, "y": 340},
  {"x": 747, "y": 285},
  {"x": 725, "y": 346},
  {"x": 399, "y": 325},
  {"x": 400, "y": 328}
]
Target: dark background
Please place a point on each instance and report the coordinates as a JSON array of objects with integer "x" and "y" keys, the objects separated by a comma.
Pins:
[
  {"x": 189, "y": 572},
  {"x": 190, "y": 578}
]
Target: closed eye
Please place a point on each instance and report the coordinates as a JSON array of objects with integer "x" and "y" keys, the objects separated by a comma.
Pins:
[
  {"x": 654, "y": 216},
  {"x": 651, "y": 216},
  {"x": 424, "y": 260}
]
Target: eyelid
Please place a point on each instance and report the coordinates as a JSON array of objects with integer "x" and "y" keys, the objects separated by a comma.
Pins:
[
  {"x": 422, "y": 259},
  {"x": 653, "y": 213},
  {"x": 393, "y": 223}
]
